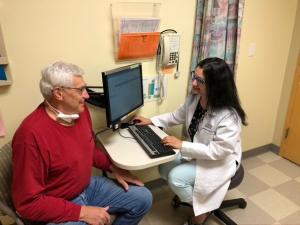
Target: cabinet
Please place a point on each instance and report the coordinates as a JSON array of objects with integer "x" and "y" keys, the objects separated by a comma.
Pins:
[{"x": 5, "y": 75}]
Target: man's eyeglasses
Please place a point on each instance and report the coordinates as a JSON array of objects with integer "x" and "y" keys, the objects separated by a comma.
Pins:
[
  {"x": 80, "y": 90},
  {"x": 200, "y": 81}
]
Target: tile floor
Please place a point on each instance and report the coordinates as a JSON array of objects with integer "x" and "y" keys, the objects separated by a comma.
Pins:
[{"x": 271, "y": 187}]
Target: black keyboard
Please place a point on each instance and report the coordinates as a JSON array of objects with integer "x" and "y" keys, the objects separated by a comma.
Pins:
[{"x": 150, "y": 141}]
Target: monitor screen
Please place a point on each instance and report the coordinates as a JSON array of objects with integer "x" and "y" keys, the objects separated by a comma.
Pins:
[{"x": 123, "y": 91}]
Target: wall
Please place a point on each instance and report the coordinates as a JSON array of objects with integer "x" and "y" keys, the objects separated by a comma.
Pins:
[
  {"x": 294, "y": 53},
  {"x": 270, "y": 25},
  {"x": 37, "y": 33}
]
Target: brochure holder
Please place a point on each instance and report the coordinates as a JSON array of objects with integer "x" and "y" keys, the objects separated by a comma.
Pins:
[
  {"x": 138, "y": 45},
  {"x": 135, "y": 28}
]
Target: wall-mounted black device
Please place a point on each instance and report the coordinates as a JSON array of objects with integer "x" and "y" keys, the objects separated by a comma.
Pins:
[{"x": 96, "y": 96}]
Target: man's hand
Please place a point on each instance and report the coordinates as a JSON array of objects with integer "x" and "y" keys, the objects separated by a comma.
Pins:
[
  {"x": 124, "y": 177},
  {"x": 94, "y": 215},
  {"x": 172, "y": 142}
]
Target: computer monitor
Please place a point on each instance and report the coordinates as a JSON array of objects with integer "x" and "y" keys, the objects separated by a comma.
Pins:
[{"x": 123, "y": 92}]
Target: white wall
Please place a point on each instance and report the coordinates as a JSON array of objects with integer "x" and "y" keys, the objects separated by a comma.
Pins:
[
  {"x": 290, "y": 69},
  {"x": 269, "y": 24}
]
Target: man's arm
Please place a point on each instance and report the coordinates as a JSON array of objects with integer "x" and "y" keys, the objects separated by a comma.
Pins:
[
  {"x": 101, "y": 159},
  {"x": 28, "y": 185}
]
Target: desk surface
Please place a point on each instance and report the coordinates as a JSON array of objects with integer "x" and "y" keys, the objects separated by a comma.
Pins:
[{"x": 126, "y": 153}]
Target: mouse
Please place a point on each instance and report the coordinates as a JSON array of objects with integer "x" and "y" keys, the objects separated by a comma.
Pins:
[{"x": 135, "y": 121}]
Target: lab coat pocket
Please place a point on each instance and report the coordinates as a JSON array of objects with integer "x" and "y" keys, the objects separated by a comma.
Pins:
[{"x": 205, "y": 135}]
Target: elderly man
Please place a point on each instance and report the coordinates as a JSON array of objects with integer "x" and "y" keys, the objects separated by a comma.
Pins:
[{"x": 53, "y": 154}]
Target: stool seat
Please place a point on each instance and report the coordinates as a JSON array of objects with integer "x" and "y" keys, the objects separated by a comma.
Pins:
[{"x": 237, "y": 179}]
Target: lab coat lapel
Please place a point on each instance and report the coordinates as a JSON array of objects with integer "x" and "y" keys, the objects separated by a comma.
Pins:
[{"x": 191, "y": 109}]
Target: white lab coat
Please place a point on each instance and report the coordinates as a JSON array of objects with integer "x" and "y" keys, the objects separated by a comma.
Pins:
[{"x": 216, "y": 148}]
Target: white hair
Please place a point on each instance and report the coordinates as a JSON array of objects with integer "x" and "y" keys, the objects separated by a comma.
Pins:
[{"x": 58, "y": 74}]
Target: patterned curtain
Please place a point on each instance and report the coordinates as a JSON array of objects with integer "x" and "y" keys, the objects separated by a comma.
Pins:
[
  {"x": 217, "y": 33},
  {"x": 217, "y": 30}
]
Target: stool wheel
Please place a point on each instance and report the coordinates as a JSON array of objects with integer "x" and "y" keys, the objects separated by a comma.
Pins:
[
  {"x": 175, "y": 202},
  {"x": 243, "y": 204}
]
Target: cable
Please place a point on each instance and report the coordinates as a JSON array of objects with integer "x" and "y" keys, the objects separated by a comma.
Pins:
[
  {"x": 168, "y": 30},
  {"x": 161, "y": 87},
  {"x": 177, "y": 73},
  {"x": 124, "y": 136}
]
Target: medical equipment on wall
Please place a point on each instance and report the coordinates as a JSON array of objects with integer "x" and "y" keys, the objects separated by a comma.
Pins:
[{"x": 167, "y": 60}]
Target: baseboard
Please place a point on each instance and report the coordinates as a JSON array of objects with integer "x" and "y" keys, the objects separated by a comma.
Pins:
[
  {"x": 261, "y": 150},
  {"x": 157, "y": 183},
  {"x": 275, "y": 148}
]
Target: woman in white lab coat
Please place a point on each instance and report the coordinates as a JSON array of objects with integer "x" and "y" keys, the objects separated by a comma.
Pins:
[{"x": 213, "y": 117}]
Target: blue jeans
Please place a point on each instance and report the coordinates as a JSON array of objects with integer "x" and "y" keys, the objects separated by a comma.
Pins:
[
  {"x": 129, "y": 207},
  {"x": 180, "y": 175}
]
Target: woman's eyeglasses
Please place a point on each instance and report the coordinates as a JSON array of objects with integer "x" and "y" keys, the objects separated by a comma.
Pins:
[{"x": 200, "y": 81}]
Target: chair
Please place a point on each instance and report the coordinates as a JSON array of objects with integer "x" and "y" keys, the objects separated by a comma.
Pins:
[
  {"x": 6, "y": 204},
  {"x": 240, "y": 202}
]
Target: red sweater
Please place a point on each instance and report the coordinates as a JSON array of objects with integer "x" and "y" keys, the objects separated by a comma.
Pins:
[{"x": 52, "y": 164}]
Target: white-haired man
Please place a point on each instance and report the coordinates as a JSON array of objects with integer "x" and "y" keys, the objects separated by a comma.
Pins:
[{"x": 53, "y": 154}]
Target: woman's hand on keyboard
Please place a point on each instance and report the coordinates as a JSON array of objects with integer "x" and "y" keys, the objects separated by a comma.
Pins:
[
  {"x": 172, "y": 141},
  {"x": 139, "y": 120}
]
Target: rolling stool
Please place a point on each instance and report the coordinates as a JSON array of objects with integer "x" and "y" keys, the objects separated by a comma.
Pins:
[{"x": 240, "y": 202}]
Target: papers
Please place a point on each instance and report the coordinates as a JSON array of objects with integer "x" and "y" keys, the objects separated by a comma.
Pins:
[
  {"x": 138, "y": 38},
  {"x": 135, "y": 29},
  {"x": 135, "y": 25}
]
